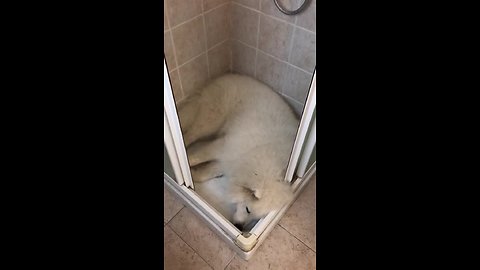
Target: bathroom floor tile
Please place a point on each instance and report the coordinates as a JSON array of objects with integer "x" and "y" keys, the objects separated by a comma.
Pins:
[
  {"x": 279, "y": 251},
  {"x": 205, "y": 242},
  {"x": 300, "y": 219},
  {"x": 178, "y": 255},
  {"x": 171, "y": 205}
]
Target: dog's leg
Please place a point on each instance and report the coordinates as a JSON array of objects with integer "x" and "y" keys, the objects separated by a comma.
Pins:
[
  {"x": 207, "y": 121},
  {"x": 205, "y": 152},
  {"x": 206, "y": 172}
]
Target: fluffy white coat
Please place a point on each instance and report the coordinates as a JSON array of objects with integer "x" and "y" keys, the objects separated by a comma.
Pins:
[{"x": 239, "y": 134}]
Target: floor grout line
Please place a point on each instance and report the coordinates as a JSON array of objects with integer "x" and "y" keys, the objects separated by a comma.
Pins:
[
  {"x": 296, "y": 237},
  {"x": 171, "y": 228},
  {"x": 183, "y": 206},
  {"x": 230, "y": 261}
]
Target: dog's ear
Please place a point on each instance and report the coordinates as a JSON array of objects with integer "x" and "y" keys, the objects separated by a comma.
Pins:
[{"x": 257, "y": 193}]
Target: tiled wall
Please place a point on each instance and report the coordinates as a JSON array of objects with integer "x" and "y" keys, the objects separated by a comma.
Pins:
[
  {"x": 211, "y": 37},
  {"x": 196, "y": 42},
  {"x": 277, "y": 49}
]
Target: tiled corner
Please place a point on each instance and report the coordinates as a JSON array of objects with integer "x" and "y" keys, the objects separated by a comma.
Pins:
[
  {"x": 243, "y": 59},
  {"x": 181, "y": 11},
  {"x": 255, "y": 4},
  {"x": 198, "y": 236},
  {"x": 304, "y": 50},
  {"x": 189, "y": 40},
  {"x": 300, "y": 219},
  {"x": 270, "y": 71},
  {"x": 268, "y": 7},
  {"x": 209, "y": 4},
  {"x": 176, "y": 87},
  {"x": 194, "y": 74},
  {"x": 168, "y": 50},
  {"x": 280, "y": 250},
  {"x": 171, "y": 205},
  {"x": 308, "y": 18},
  {"x": 297, "y": 84},
  {"x": 275, "y": 37},
  {"x": 178, "y": 255},
  {"x": 217, "y": 25},
  {"x": 219, "y": 59},
  {"x": 244, "y": 24}
]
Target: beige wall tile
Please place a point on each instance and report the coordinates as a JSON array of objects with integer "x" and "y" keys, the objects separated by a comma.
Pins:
[
  {"x": 297, "y": 84},
  {"x": 275, "y": 37},
  {"x": 249, "y": 3},
  {"x": 219, "y": 59},
  {"x": 189, "y": 40},
  {"x": 168, "y": 50},
  {"x": 279, "y": 251},
  {"x": 304, "y": 50},
  {"x": 176, "y": 87},
  {"x": 268, "y": 7},
  {"x": 182, "y": 10},
  {"x": 270, "y": 71},
  {"x": 178, "y": 255},
  {"x": 245, "y": 25},
  {"x": 209, "y": 4},
  {"x": 308, "y": 18},
  {"x": 205, "y": 242},
  {"x": 243, "y": 59},
  {"x": 165, "y": 20},
  {"x": 194, "y": 74},
  {"x": 217, "y": 23}
]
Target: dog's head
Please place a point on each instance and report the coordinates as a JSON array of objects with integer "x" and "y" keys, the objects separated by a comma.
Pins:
[{"x": 255, "y": 201}]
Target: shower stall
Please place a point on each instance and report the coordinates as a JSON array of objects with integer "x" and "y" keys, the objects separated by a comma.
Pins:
[{"x": 204, "y": 39}]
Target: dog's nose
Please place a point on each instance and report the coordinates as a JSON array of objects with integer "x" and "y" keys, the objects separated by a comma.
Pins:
[{"x": 239, "y": 226}]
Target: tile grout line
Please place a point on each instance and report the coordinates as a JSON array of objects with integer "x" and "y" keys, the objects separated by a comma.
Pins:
[
  {"x": 258, "y": 40},
  {"x": 197, "y": 16},
  {"x": 297, "y": 238},
  {"x": 294, "y": 100},
  {"x": 174, "y": 49},
  {"x": 171, "y": 228},
  {"x": 176, "y": 62},
  {"x": 278, "y": 59},
  {"x": 230, "y": 261},
  {"x": 292, "y": 41},
  {"x": 206, "y": 44},
  {"x": 217, "y": 7},
  {"x": 197, "y": 56},
  {"x": 175, "y": 214}
]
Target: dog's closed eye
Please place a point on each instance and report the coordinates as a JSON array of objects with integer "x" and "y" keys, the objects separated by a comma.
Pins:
[{"x": 248, "y": 211}]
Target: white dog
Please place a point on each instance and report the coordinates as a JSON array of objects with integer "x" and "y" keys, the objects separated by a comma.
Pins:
[{"x": 239, "y": 134}]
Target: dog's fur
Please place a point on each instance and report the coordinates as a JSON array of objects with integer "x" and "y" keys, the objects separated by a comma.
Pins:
[{"x": 239, "y": 134}]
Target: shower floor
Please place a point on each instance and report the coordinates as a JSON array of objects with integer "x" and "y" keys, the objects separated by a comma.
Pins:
[{"x": 190, "y": 244}]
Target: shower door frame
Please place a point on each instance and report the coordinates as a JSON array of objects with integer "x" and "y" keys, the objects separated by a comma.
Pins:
[{"x": 245, "y": 244}]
